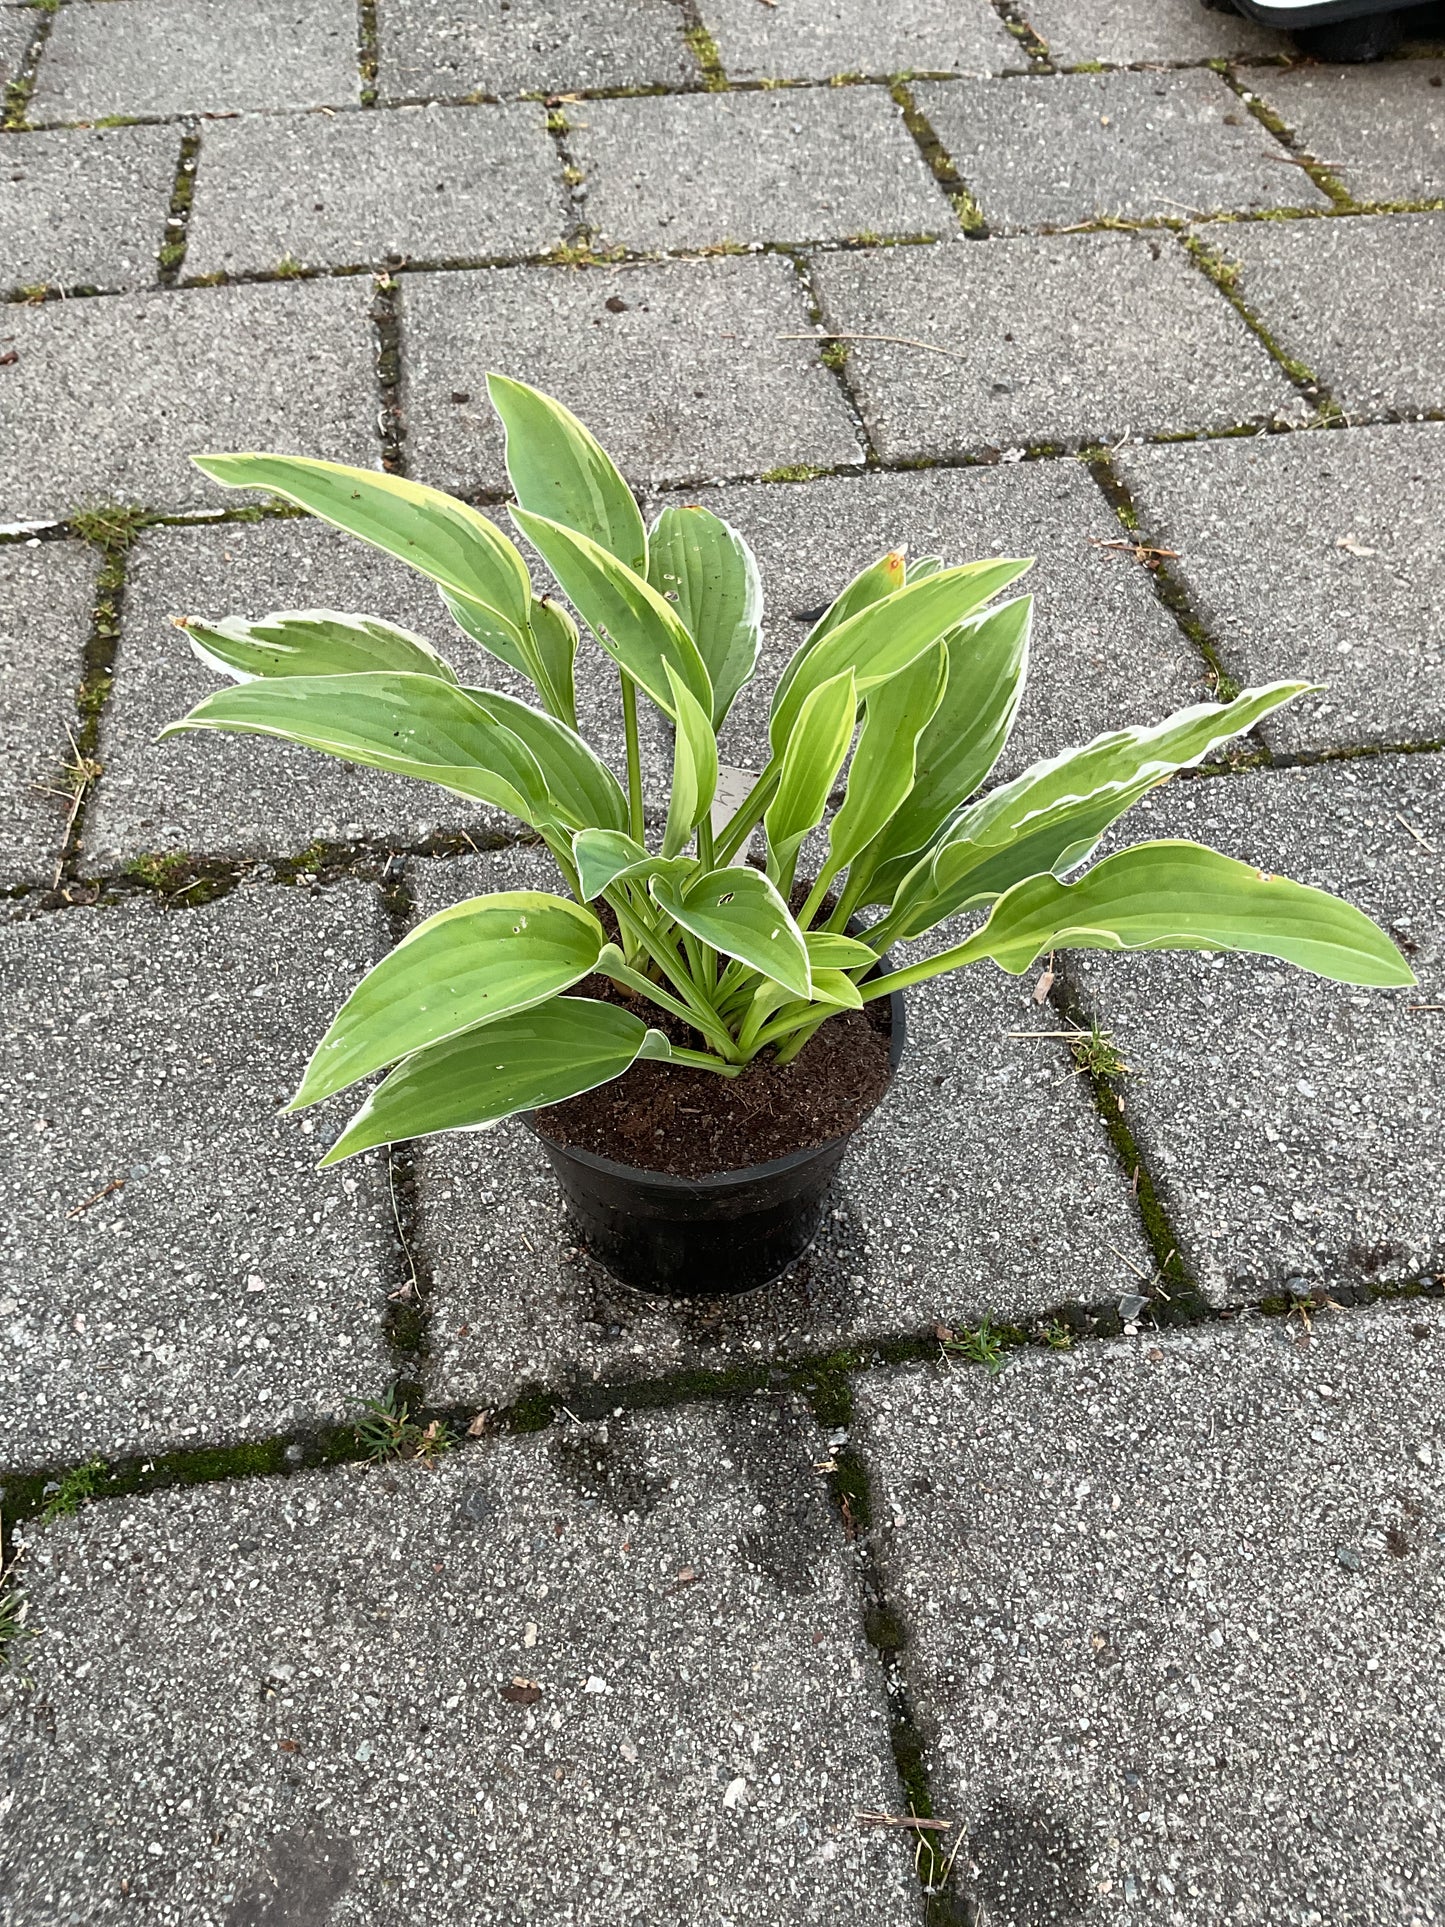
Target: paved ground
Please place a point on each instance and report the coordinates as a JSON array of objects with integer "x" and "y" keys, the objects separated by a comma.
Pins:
[{"x": 1081, "y": 1488}]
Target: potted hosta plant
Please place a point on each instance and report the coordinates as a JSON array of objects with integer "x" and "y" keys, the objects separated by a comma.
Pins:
[{"x": 693, "y": 1035}]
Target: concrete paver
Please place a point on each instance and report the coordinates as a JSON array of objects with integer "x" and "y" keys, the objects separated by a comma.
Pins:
[
  {"x": 109, "y": 399},
  {"x": 1059, "y": 149},
  {"x": 793, "y": 165},
  {"x": 430, "y": 184},
  {"x": 86, "y": 208},
  {"x": 615, "y": 1673},
  {"x": 816, "y": 39},
  {"x": 1121, "y": 31},
  {"x": 46, "y": 593},
  {"x": 1381, "y": 128},
  {"x": 1319, "y": 556},
  {"x": 1358, "y": 301},
  {"x": 926, "y": 1225},
  {"x": 197, "y": 57},
  {"x": 1070, "y": 338},
  {"x": 1174, "y": 1609},
  {"x": 682, "y": 369},
  {"x": 1104, "y": 651},
  {"x": 1293, "y": 1126},
  {"x": 17, "y": 30},
  {"x": 503, "y": 47},
  {"x": 175, "y": 1271}
]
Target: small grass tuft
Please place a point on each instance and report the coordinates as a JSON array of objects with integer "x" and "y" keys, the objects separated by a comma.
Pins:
[
  {"x": 1057, "y": 1336},
  {"x": 1094, "y": 1051},
  {"x": 982, "y": 1345},
  {"x": 76, "y": 1488},
  {"x": 288, "y": 268},
  {"x": 387, "y": 1430},
  {"x": 835, "y": 356}
]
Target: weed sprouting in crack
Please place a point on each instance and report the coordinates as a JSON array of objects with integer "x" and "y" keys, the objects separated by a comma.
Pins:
[
  {"x": 75, "y": 1487},
  {"x": 386, "y": 1429},
  {"x": 940, "y": 163}
]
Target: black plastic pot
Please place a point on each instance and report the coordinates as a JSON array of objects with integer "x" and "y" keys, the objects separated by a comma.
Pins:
[{"x": 703, "y": 1237}]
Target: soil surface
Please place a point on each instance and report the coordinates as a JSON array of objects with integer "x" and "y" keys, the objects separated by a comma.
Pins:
[{"x": 693, "y": 1124}]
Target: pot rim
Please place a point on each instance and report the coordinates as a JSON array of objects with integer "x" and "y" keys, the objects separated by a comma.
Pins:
[{"x": 739, "y": 1175}]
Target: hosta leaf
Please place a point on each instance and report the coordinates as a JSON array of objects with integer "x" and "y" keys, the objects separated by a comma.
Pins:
[
  {"x": 605, "y": 857},
  {"x": 706, "y": 571},
  {"x": 468, "y": 965},
  {"x": 583, "y": 792},
  {"x": 629, "y": 618},
  {"x": 487, "y": 628},
  {"x": 694, "y": 768},
  {"x": 810, "y": 765},
  {"x": 873, "y": 584},
  {"x": 1052, "y": 816},
  {"x": 1181, "y": 896},
  {"x": 987, "y": 668},
  {"x": 832, "y": 987},
  {"x": 519, "y": 1063},
  {"x": 558, "y": 469},
  {"x": 311, "y": 642},
  {"x": 554, "y": 637},
  {"x": 411, "y": 725},
  {"x": 829, "y": 950},
  {"x": 881, "y": 773},
  {"x": 886, "y": 636},
  {"x": 443, "y": 538},
  {"x": 738, "y": 911}
]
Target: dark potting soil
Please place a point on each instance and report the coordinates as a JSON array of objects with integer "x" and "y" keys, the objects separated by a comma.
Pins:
[{"x": 692, "y": 1124}]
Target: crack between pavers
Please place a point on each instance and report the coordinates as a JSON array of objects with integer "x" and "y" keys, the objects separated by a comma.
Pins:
[
  {"x": 585, "y": 252},
  {"x": 1168, "y": 588},
  {"x": 834, "y": 356},
  {"x": 25, "y": 1491},
  {"x": 1224, "y": 275},
  {"x": 1328, "y": 184},
  {"x": 661, "y": 90},
  {"x": 940, "y": 163},
  {"x": 19, "y": 89},
  {"x": 386, "y": 319},
  {"x": 368, "y": 51},
  {"x": 172, "y": 256},
  {"x": 1016, "y": 21}
]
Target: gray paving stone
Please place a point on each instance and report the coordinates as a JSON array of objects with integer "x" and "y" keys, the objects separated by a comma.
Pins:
[
  {"x": 1381, "y": 128},
  {"x": 1137, "y": 30},
  {"x": 672, "y": 1590},
  {"x": 431, "y": 184},
  {"x": 1294, "y": 1126},
  {"x": 46, "y": 592},
  {"x": 108, "y": 399},
  {"x": 1317, "y": 556},
  {"x": 1357, "y": 300},
  {"x": 1064, "y": 339},
  {"x": 532, "y": 46},
  {"x": 227, "y": 1288},
  {"x": 86, "y": 208},
  {"x": 17, "y": 30},
  {"x": 816, "y": 39},
  {"x": 197, "y": 57},
  {"x": 242, "y": 796},
  {"x": 983, "y": 1184},
  {"x": 1057, "y": 149},
  {"x": 1104, "y": 651},
  {"x": 680, "y": 368},
  {"x": 800, "y": 164},
  {"x": 1174, "y": 1614}
]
